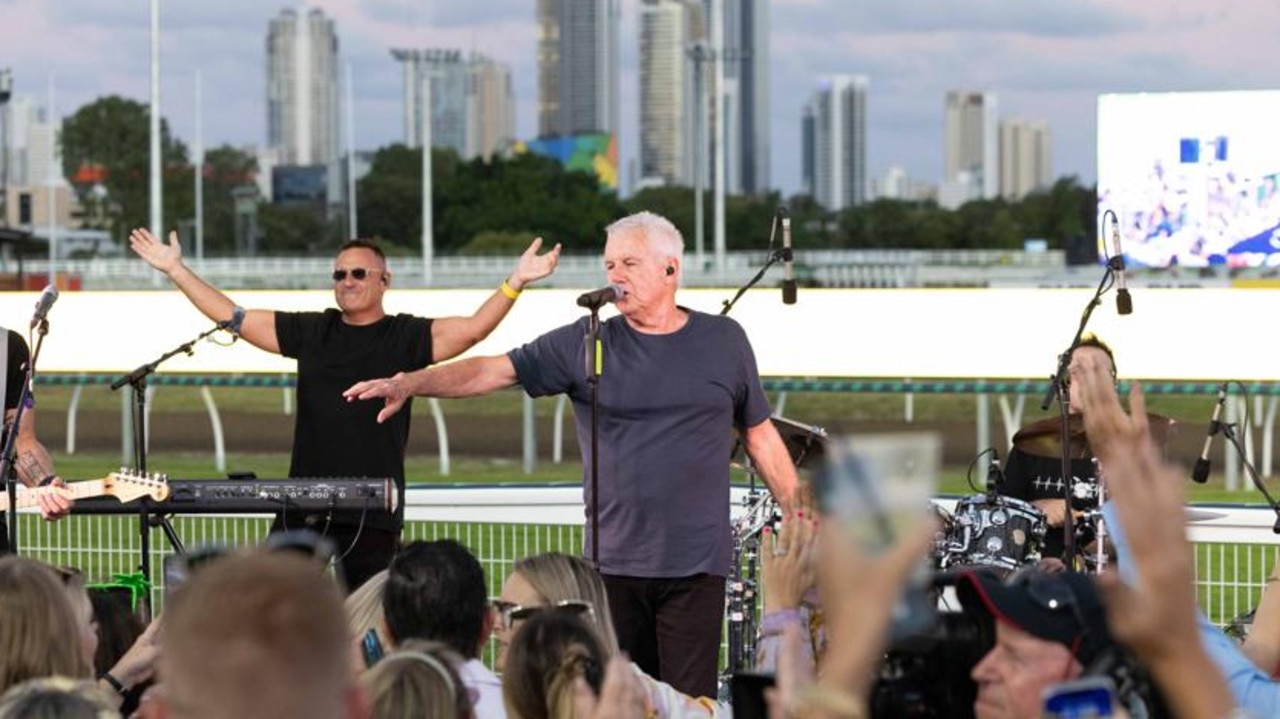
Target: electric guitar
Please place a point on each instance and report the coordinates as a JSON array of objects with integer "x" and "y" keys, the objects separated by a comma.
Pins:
[{"x": 124, "y": 485}]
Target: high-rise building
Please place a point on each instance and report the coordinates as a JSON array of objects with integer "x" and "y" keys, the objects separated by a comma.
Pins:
[
  {"x": 302, "y": 88},
  {"x": 668, "y": 92},
  {"x": 972, "y": 147},
  {"x": 472, "y": 105},
  {"x": 834, "y": 143},
  {"x": 746, "y": 73},
  {"x": 1026, "y": 161},
  {"x": 577, "y": 67},
  {"x": 491, "y": 108}
]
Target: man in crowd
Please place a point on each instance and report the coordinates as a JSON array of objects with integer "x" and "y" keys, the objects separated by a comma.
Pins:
[
  {"x": 674, "y": 383},
  {"x": 334, "y": 348},
  {"x": 436, "y": 591},
  {"x": 262, "y": 634},
  {"x": 32, "y": 464},
  {"x": 1049, "y": 628}
]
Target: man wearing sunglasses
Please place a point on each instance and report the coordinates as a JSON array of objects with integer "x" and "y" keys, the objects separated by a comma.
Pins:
[
  {"x": 675, "y": 388},
  {"x": 336, "y": 347}
]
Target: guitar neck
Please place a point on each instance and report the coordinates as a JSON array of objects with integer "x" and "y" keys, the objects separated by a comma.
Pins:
[{"x": 30, "y": 496}]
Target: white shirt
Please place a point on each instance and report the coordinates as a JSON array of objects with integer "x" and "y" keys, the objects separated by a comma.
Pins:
[{"x": 485, "y": 688}]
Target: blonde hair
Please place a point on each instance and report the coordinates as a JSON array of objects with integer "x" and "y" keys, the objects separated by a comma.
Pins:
[
  {"x": 559, "y": 577},
  {"x": 38, "y": 625},
  {"x": 364, "y": 606},
  {"x": 419, "y": 679},
  {"x": 547, "y": 656},
  {"x": 56, "y": 698}
]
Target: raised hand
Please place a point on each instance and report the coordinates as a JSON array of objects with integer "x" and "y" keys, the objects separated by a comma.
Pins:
[
  {"x": 788, "y": 559},
  {"x": 391, "y": 389},
  {"x": 532, "y": 266},
  {"x": 165, "y": 258}
]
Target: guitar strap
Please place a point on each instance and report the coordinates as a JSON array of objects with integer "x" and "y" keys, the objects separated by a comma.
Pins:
[{"x": 4, "y": 364}]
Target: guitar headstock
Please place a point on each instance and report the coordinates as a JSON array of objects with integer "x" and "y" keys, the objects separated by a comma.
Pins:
[{"x": 128, "y": 485}]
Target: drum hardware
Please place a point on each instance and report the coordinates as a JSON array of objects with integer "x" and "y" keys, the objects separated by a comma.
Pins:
[
  {"x": 806, "y": 445},
  {"x": 999, "y": 533}
]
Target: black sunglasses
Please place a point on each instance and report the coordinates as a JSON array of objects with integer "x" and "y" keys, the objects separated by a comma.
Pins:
[
  {"x": 509, "y": 612},
  {"x": 358, "y": 273}
]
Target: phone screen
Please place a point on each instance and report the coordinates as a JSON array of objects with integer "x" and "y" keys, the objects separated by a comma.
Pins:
[
  {"x": 372, "y": 648},
  {"x": 1089, "y": 698},
  {"x": 747, "y": 692}
]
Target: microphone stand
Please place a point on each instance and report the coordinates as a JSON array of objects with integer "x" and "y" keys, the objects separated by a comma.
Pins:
[
  {"x": 1228, "y": 430},
  {"x": 1057, "y": 390},
  {"x": 8, "y": 456},
  {"x": 137, "y": 380},
  {"x": 594, "y": 365},
  {"x": 777, "y": 255}
]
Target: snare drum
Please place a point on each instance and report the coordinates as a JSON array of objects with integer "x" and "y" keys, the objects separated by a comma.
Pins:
[{"x": 993, "y": 531}]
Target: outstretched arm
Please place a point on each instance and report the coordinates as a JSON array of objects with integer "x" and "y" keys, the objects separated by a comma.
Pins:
[
  {"x": 464, "y": 378},
  {"x": 451, "y": 336},
  {"x": 259, "y": 327}
]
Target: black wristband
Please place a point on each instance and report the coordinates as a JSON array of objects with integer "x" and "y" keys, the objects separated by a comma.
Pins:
[
  {"x": 48, "y": 480},
  {"x": 115, "y": 683}
]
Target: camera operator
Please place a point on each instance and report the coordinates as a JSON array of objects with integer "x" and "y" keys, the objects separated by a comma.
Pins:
[{"x": 1048, "y": 628}]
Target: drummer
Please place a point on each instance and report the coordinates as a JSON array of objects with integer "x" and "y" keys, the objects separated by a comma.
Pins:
[{"x": 1033, "y": 471}]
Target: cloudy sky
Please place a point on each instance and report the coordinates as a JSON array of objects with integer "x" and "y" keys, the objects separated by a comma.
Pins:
[{"x": 1044, "y": 59}]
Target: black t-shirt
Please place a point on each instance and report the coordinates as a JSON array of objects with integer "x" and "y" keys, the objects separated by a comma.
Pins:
[
  {"x": 1030, "y": 477},
  {"x": 334, "y": 437},
  {"x": 668, "y": 405},
  {"x": 18, "y": 356},
  {"x": 14, "y": 374}
]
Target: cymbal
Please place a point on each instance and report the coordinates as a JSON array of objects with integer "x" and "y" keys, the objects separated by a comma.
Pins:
[
  {"x": 806, "y": 444},
  {"x": 1044, "y": 439}
]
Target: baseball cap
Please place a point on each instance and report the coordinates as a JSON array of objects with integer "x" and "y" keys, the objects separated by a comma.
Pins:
[{"x": 1061, "y": 607}]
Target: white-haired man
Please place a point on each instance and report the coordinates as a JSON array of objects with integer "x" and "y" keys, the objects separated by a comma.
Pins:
[{"x": 674, "y": 383}]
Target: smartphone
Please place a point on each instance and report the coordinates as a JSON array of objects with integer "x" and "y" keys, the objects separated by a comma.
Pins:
[
  {"x": 371, "y": 646},
  {"x": 746, "y": 689},
  {"x": 1087, "y": 698}
]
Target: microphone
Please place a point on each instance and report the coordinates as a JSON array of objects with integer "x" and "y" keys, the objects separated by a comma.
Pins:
[
  {"x": 595, "y": 299},
  {"x": 1124, "y": 303},
  {"x": 1200, "y": 473},
  {"x": 47, "y": 298},
  {"x": 788, "y": 272},
  {"x": 995, "y": 476}
]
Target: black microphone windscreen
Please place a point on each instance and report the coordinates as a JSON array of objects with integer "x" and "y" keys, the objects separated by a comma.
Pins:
[{"x": 1200, "y": 473}]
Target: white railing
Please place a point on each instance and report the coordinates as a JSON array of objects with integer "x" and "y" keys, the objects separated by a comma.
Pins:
[{"x": 1235, "y": 547}]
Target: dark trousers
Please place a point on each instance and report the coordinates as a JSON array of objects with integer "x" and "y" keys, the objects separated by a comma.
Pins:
[
  {"x": 361, "y": 552},
  {"x": 671, "y": 627}
]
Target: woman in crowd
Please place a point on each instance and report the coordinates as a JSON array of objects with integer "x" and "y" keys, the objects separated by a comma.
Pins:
[{"x": 418, "y": 679}]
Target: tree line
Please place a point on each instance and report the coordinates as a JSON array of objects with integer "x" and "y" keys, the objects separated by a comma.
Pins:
[{"x": 496, "y": 206}]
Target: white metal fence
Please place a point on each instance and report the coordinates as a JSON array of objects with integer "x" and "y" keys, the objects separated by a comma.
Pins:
[{"x": 1235, "y": 545}]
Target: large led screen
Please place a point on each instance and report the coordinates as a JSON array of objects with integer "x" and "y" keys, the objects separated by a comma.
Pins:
[{"x": 1192, "y": 177}]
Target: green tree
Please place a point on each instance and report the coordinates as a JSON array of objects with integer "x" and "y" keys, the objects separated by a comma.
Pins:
[
  {"x": 225, "y": 169},
  {"x": 106, "y": 157}
]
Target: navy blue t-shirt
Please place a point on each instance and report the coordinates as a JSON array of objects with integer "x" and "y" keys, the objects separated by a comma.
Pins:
[{"x": 668, "y": 405}]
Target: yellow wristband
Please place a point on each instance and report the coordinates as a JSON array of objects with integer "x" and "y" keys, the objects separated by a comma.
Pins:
[{"x": 508, "y": 290}]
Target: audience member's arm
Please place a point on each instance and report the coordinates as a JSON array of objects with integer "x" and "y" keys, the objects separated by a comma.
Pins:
[
  {"x": 137, "y": 665},
  {"x": 1262, "y": 646},
  {"x": 1156, "y": 615},
  {"x": 787, "y": 571}
]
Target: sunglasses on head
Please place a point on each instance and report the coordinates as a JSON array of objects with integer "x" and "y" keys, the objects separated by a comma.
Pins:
[
  {"x": 509, "y": 612},
  {"x": 358, "y": 273}
]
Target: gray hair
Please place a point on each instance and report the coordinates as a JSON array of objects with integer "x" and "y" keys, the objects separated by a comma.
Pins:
[{"x": 663, "y": 237}]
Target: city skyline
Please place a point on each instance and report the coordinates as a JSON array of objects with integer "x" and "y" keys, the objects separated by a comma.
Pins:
[{"x": 1047, "y": 61}]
